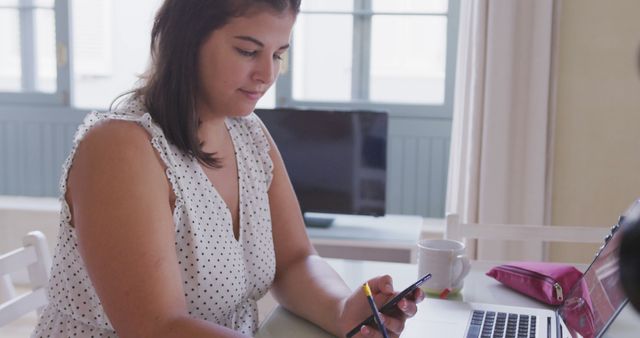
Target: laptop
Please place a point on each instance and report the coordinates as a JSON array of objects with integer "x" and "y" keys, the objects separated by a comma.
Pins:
[{"x": 587, "y": 311}]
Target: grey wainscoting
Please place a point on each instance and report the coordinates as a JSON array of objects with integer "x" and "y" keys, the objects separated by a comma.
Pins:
[
  {"x": 34, "y": 142},
  {"x": 417, "y": 163}
]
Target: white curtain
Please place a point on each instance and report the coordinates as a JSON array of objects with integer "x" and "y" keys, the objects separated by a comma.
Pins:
[{"x": 498, "y": 164}]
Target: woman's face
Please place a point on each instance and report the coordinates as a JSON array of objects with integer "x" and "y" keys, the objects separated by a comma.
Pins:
[{"x": 240, "y": 61}]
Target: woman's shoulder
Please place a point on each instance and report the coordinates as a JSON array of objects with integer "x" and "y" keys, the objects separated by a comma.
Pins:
[
  {"x": 117, "y": 155},
  {"x": 118, "y": 134},
  {"x": 129, "y": 104},
  {"x": 117, "y": 145},
  {"x": 127, "y": 126}
]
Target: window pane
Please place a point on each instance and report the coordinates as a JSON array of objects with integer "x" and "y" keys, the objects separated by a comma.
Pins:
[
  {"x": 46, "y": 70},
  {"x": 322, "y": 52},
  {"x": 10, "y": 72},
  {"x": 92, "y": 53},
  {"x": 43, "y": 3},
  {"x": 111, "y": 48},
  {"x": 327, "y": 5},
  {"x": 428, "y": 6},
  {"x": 28, "y": 54},
  {"x": 408, "y": 55}
]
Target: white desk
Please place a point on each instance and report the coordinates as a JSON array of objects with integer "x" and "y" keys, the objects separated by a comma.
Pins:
[
  {"x": 478, "y": 288},
  {"x": 390, "y": 238}
]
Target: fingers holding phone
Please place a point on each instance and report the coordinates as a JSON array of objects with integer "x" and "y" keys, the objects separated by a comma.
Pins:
[
  {"x": 408, "y": 305},
  {"x": 356, "y": 307},
  {"x": 396, "y": 309}
]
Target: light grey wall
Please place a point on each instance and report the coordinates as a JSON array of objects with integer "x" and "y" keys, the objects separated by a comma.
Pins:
[
  {"x": 417, "y": 164},
  {"x": 33, "y": 145}
]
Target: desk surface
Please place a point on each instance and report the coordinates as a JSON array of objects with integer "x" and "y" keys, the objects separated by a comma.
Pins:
[
  {"x": 397, "y": 228},
  {"x": 390, "y": 238},
  {"x": 477, "y": 288}
]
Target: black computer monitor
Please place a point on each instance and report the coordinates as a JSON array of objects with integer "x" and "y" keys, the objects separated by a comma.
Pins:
[{"x": 336, "y": 159}]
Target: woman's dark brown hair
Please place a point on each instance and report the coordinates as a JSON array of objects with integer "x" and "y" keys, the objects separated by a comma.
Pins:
[{"x": 170, "y": 86}]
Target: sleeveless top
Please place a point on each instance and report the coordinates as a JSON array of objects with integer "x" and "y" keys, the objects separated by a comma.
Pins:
[{"x": 222, "y": 277}]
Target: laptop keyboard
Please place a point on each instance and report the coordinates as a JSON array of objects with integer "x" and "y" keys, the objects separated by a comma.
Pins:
[{"x": 489, "y": 324}]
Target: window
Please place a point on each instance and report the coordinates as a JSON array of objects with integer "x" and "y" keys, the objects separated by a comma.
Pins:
[
  {"x": 110, "y": 49},
  {"x": 397, "y": 55},
  {"x": 392, "y": 55},
  {"x": 34, "y": 54}
]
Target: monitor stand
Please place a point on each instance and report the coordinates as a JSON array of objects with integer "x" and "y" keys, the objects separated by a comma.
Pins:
[{"x": 318, "y": 221}]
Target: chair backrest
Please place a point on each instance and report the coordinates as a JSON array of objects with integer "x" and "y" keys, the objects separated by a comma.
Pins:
[
  {"x": 542, "y": 233},
  {"x": 34, "y": 257}
]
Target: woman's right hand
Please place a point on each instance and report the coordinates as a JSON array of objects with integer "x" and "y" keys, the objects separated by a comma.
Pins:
[{"x": 356, "y": 308}]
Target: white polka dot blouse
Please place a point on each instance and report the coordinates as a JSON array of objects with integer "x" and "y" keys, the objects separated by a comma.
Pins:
[{"x": 222, "y": 276}]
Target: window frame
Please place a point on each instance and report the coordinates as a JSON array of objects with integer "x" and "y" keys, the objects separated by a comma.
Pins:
[
  {"x": 362, "y": 15},
  {"x": 62, "y": 94}
]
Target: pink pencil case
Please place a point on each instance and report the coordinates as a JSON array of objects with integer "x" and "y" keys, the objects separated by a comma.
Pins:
[{"x": 546, "y": 282}]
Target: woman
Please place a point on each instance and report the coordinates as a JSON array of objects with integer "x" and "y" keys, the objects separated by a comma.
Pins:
[{"x": 178, "y": 214}]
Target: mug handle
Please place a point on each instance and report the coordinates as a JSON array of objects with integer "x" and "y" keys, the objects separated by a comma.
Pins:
[{"x": 466, "y": 267}]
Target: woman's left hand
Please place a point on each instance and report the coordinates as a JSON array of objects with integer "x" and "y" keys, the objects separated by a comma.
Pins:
[{"x": 356, "y": 308}]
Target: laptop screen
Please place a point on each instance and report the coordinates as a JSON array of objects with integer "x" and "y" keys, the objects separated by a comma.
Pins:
[{"x": 598, "y": 296}]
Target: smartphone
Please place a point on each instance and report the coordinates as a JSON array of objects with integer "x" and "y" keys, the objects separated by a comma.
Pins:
[{"x": 390, "y": 308}]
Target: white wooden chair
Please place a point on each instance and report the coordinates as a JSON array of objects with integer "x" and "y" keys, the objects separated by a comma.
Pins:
[
  {"x": 35, "y": 258},
  {"x": 540, "y": 233}
]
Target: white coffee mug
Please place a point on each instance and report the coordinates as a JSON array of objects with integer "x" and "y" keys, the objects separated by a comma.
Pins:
[{"x": 447, "y": 263}]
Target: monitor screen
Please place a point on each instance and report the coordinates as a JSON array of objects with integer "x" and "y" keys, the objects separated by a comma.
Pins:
[{"x": 336, "y": 160}]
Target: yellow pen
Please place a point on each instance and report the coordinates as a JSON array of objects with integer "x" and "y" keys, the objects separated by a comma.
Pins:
[{"x": 376, "y": 315}]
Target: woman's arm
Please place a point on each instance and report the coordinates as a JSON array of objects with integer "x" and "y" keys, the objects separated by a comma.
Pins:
[
  {"x": 304, "y": 283},
  {"x": 299, "y": 271},
  {"x": 121, "y": 205}
]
